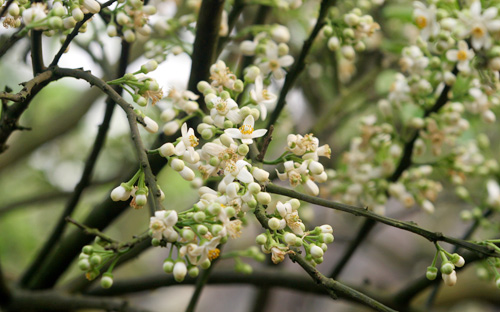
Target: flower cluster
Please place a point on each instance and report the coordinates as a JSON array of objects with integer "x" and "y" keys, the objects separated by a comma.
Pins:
[
  {"x": 131, "y": 19},
  {"x": 448, "y": 266},
  {"x": 286, "y": 232},
  {"x": 304, "y": 168},
  {"x": 93, "y": 258}
]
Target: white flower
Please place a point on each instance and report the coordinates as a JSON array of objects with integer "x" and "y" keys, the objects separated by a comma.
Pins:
[
  {"x": 293, "y": 173},
  {"x": 479, "y": 25},
  {"x": 463, "y": 55},
  {"x": 291, "y": 216},
  {"x": 272, "y": 63},
  {"x": 162, "y": 225},
  {"x": 187, "y": 144},
  {"x": 225, "y": 109},
  {"x": 246, "y": 132},
  {"x": 238, "y": 171},
  {"x": 35, "y": 13},
  {"x": 425, "y": 18},
  {"x": 262, "y": 97}
]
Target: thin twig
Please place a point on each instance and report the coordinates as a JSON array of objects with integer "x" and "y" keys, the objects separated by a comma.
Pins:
[
  {"x": 267, "y": 140},
  {"x": 407, "y": 226},
  {"x": 300, "y": 63}
]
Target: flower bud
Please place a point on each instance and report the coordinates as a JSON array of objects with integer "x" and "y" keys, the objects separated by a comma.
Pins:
[
  {"x": 316, "y": 168},
  {"x": 84, "y": 264},
  {"x": 149, "y": 66},
  {"x": 180, "y": 271},
  {"x": 280, "y": 33},
  {"x": 199, "y": 216},
  {"x": 167, "y": 149},
  {"x": 457, "y": 260},
  {"x": 264, "y": 198},
  {"x": 193, "y": 271},
  {"x": 290, "y": 238},
  {"x": 447, "y": 267},
  {"x": 274, "y": 223},
  {"x": 261, "y": 239},
  {"x": 107, "y": 280},
  {"x": 141, "y": 199},
  {"x": 168, "y": 265},
  {"x": 431, "y": 273},
  {"x": 254, "y": 188},
  {"x": 260, "y": 175},
  {"x": 450, "y": 279},
  {"x": 151, "y": 125},
  {"x": 177, "y": 164},
  {"x": 316, "y": 251},
  {"x": 187, "y": 174}
]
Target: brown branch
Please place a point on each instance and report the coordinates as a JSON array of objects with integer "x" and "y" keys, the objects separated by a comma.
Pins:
[{"x": 52, "y": 301}]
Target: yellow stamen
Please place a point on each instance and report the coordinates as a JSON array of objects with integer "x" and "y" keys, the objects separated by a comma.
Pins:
[
  {"x": 421, "y": 21},
  {"x": 462, "y": 55},
  {"x": 213, "y": 254},
  {"x": 478, "y": 32},
  {"x": 246, "y": 129},
  {"x": 273, "y": 64},
  {"x": 193, "y": 140}
]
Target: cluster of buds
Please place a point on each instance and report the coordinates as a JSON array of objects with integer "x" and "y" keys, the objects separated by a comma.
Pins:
[
  {"x": 286, "y": 231},
  {"x": 132, "y": 18},
  {"x": 61, "y": 16},
  {"x": 92, "y": 259},
  {"x": 304, "y": 168},
  {"x": 143, "y": 89},
  {"x": 349, "y": 33},
  {"x": 270, "y": 50},
  {"x": 448, "y": 266},
  {"x": 138, "y": 192}
]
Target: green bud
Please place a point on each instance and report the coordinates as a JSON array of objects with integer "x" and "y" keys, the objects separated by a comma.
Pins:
[
  {"x": 318, "y": 260},
  {"x": 431, "y": 273},
  {"x": 87, "y": 250},
  {"x": 238, "y": 86},
  {"x": 55, "y": 22},
  {"x": 107, "y": 280},
  {"x": 205, "y": 264},
  {"x": 84, "y": 264},
  {"x": 299, "y": 242},
  {"x": 155, "y": 242},
  {"x": 188, "y": 235},
  {"x": 214, "y": 161},
  {"x": 447, "y": 267},
  {"x": 252, "y": 203},
  {"x": 95, "y": 260},
  {"x": 243, "y": 149},
  {"x": 207, "y": 134},
  {"x": 230, "y": 212},
  {"x": 216, "y": 228},
  {"x": 202, "y": 230},
  {"x": 168, "y": 265},
  {"x": 261, "y": 239},
  {"x": 326, "y": 238},
  {"x": 193, "y": 271},
  {"x": 228, "y": 124},
  {"x": 199, "y": 216}
]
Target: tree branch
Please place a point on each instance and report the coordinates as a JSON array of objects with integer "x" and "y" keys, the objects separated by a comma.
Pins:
[
  {"x": 484, "y": 251},
  {"x": 205, "y": 43},
  {"x": 52, "y": 301}
]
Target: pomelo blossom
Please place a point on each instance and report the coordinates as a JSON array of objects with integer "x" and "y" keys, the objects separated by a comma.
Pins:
[
  {"x": 246, "y": 132},
  {"x": 262, "y": 97},
  {"x": 425, "y": 18},
  {"x": 273, "y": 63},
  {"x": 480, "y": 25},
  {"x": 463, "y": 56}
]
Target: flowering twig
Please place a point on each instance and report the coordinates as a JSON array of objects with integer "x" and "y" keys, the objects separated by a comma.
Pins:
[
  {"x": 331, "y": 286},
  {"x": 407, "y": 226}
]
